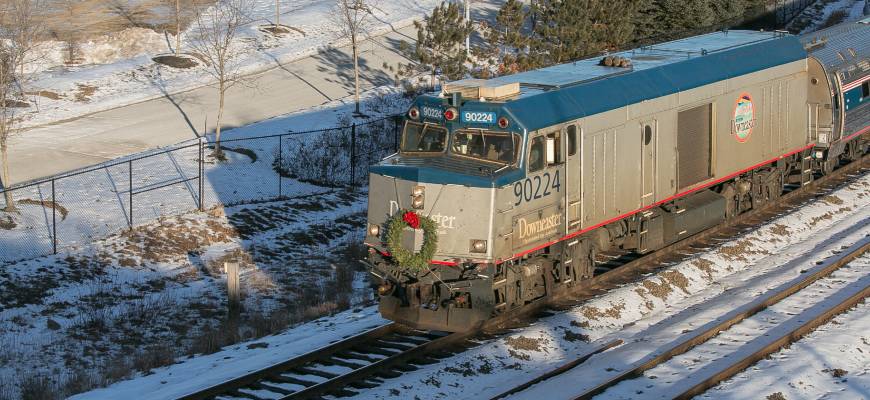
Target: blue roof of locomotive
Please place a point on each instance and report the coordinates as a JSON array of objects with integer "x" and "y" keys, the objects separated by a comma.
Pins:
[{"x": 565, "y": 92}]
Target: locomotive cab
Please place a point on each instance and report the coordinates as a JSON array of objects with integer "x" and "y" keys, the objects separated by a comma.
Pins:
[{"x": 451, "y": 162}]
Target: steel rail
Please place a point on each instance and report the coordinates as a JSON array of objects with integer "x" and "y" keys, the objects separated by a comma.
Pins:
[
  {"x": 780, "y": 342},
  {"x": 733, "y": 318},
  {"x": 256, "y": 376}
]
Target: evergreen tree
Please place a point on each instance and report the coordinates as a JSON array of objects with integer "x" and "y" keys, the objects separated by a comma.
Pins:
[
  {"x": 507, "y": 41},
  {"x": 668, "y": 19},
  {"x": 567, "y": 30},
  {"x": 729, "y": 11},
  {"x": 441, "y": 41}
]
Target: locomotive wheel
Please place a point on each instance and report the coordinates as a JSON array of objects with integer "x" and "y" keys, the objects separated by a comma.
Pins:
[
  {"x": 729, "y": 193},
  {"x": 583, "y": 255},
  {"x": 829, "y": 165}
]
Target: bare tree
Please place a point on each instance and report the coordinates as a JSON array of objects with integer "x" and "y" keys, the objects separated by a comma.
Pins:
[
  {"x": 277, "y": 13},
  {"x": 19, "y": 33},
  {"x": 69, "y": 31},
  {"x": 353, "y": 20},
  {"x": 175, "y": 7},
  {"x": 216, "y": 38}
]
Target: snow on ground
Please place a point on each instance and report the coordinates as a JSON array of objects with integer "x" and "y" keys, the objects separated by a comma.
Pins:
[
  {"x": 178, "y": 380},
  {"x": 819, "y": 15},
  {"x": 120, "y": 69},
  {"x": 139, "y": 299},
  {"x": 117, "y": 300},
  {"x": 833, "y": 362},
  {"x": 675, "y": 376}
]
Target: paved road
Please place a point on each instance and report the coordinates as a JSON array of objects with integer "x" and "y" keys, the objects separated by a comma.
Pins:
[{"x": 164, "y": 121}]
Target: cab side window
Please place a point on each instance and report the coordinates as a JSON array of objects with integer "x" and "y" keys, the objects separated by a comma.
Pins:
[
  {"x": 572, "y": 140},
  {"x": 536, "y": 154},
  {"x": 554, "y": 147}
]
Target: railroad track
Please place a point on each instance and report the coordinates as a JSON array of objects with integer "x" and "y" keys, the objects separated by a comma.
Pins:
[
  {"x": 338, "y": 368},
  {"x": 365, "y": 360},
  {"x": 813, "y": 299}
]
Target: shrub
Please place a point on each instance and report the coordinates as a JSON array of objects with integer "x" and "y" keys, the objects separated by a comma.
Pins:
[{"x": 324, "y": 158}]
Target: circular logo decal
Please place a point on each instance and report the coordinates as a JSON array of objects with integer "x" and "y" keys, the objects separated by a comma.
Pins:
[{"x": 744, "y": 117}]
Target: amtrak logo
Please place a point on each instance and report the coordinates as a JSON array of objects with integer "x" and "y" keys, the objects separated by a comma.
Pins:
[{"x": 744, "y": 118}]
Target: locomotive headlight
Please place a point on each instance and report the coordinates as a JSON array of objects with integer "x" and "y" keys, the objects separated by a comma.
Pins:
[
  {"x": 418, "y": 195},
  {"x": 417, "y": 202},
  {"x": 820, "y": 154},
  {"x": 478, "y": 246},
  {"x": 374, "y": 230},
  {"x": 414, "y": 113}
]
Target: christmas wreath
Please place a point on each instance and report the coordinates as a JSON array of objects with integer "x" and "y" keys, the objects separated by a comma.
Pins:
[{"x": 405, "y": 258}]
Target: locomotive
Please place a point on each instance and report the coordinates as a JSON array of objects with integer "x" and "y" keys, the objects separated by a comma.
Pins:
[{"x": 505, "y": 190}]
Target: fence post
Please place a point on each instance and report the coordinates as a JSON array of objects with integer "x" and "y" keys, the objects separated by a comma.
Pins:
[
  {"x": 280, "y": 165},
  {"x": 352, "y": 154},
  {"x": 53, "y": 219},
  {"x": 130, "y": 181},
  {"x": 234, "y": 298},
  {"x": 396, "y": 120},
  {"x": 200, "y": 183}
]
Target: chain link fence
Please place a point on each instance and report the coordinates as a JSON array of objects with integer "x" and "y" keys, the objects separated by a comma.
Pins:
[{"x": 76, "y": 208}]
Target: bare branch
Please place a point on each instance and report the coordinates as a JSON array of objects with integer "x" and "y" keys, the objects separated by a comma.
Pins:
[
  {"x": 19, "y": 34},
  {"x": 216, "y": 39},
  {"x": 353, "y": 20}
]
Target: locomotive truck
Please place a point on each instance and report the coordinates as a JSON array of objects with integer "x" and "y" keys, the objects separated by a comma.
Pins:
[{"x": 505, "y": 190}]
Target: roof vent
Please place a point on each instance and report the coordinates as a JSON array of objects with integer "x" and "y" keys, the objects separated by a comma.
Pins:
[
  {"x": 482, "y": 89},
  {"x": 615, "y": 61}
]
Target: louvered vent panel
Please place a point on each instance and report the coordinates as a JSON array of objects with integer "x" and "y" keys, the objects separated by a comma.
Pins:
[{"x": 693, "y": 146}]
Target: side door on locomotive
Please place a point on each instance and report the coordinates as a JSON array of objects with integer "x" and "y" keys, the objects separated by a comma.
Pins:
[{"x": 539, "y": 216}]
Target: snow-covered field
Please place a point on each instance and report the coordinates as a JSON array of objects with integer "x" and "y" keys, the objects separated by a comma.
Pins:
[
  {"x": 119, "y": 70},
  {"x": 117, "y": 301},
  {"x": 143, "y": 298}
]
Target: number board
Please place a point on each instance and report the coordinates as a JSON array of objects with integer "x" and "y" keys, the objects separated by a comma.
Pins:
[
  {"x": 431, "y": 112},
  {"x": 478, "y": 117}
]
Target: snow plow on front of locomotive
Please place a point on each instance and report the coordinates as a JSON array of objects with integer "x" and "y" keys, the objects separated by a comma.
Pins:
[{"x": 430, "y": 219}]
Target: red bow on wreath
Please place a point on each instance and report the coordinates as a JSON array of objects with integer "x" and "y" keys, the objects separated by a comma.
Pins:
[{"x": 411, "y": 219}]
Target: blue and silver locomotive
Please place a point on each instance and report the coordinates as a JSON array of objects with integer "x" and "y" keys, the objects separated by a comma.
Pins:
[{"x": 505, "y": 190}]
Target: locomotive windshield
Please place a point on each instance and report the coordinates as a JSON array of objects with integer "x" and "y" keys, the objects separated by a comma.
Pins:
[
  {"x": 489, "y": 146},
  {"x": 423, "y": 138}
]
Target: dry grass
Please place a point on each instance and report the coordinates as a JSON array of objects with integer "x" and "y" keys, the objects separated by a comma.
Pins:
[
  {"x": 7, "y": 223},
  {"x": 594, "y": 313},
  {"x": 776, "y": 396},
  {"x": 705, "y": 266},
  {"x": 676, "y": 279},
  {"x": 91, "y": 18},
  {"x": 780, "y": 230},
  {"x": 84, "y": 92},
  {"x": 36, "y": 386},
  {"x": 45, "y": 93},
  {"x": 47, "y": 204},
  {"x": 658, "y": 289},
  {"x": 834, "y": 200},
  {"x": 525, "y": 343}
]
